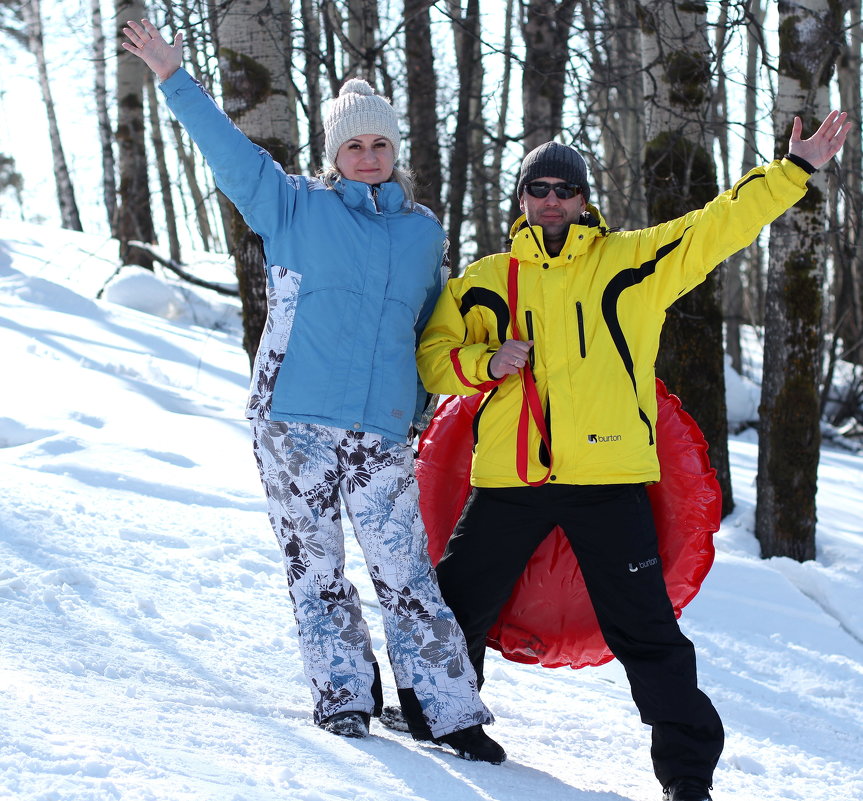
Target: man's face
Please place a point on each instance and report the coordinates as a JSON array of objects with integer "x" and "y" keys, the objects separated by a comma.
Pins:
[{"x": 553, "y": 214}]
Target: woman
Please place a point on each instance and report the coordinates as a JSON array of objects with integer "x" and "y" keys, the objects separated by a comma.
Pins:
[{"x": 354, "y": 268}]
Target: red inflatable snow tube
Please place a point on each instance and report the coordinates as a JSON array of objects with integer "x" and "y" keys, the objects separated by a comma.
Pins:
[{"x": 549, "y": 618}]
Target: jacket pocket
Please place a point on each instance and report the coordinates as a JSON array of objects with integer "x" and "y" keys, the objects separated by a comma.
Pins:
[
  {"x": 579, "y": 315},
  {"x": 528, "y": 319}
]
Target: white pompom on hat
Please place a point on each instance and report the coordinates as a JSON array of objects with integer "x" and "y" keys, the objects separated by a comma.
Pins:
[{"x": 358, "y": 111}]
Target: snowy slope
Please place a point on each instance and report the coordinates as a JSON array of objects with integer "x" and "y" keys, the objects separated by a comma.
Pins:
[{"x": 147, "y": 648}]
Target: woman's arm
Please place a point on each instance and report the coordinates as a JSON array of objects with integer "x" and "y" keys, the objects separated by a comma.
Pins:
[{"x": 244, "y": 171}]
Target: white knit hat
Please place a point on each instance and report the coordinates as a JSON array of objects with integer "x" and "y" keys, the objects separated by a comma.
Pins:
[{"x": 357, "y": 111}]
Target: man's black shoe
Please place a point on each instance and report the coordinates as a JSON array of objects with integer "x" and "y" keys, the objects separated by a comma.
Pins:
[
  {"x": 347, "y": 724},
  {"x": 474, "y": 744},
  {"x": 393, "y": 718},
  {"x": 687, "y": 788}
]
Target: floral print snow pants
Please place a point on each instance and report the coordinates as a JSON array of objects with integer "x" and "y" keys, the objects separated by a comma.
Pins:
[{"x": 304, "y": 468}]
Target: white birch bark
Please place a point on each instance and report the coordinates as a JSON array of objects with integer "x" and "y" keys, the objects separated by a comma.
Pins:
[
  {"x": 256, "y": 95},
  {"x": 134, "y": 215},
  {"x": 679, "y": 176},
  {"x": 32, "y": 14}
]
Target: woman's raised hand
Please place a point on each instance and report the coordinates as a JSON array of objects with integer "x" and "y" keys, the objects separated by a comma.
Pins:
[{"x": 147, "y": 43}]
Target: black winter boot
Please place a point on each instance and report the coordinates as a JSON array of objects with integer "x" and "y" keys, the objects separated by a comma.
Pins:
[
  {"x": 393, "y": 718},
  {"x": 347, "y": 724},
  {"x": 474, "y": 744},
  {"x": 687, "y": 788}
]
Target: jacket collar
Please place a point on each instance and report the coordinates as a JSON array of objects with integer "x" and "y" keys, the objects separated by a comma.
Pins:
[
  {"x": 384, "y": 198},
  {"x": 528, "y": 245}
]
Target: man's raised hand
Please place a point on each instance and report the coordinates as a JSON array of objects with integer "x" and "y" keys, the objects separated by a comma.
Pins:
[{"x": 825, "y": 143}]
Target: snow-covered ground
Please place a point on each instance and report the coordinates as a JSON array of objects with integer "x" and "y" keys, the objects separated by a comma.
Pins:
[{"x": 147, "y": 648}]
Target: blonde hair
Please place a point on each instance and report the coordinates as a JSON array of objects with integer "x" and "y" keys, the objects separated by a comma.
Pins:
[{"x": 404, "y": 178}]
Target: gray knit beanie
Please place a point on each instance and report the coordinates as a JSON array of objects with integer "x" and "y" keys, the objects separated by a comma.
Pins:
[
  {"x": 554, "y": 160},
  {"x": 357, "y": 111}
]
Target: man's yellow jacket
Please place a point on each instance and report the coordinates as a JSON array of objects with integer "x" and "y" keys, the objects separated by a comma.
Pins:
[{"x": 595, "y": 313}]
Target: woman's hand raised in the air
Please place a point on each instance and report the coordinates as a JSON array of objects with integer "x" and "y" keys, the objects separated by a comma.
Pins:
[{"x": 147, "y": 43}]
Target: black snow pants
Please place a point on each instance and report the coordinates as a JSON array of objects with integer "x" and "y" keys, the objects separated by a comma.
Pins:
[{"x": 610, "y": 528}]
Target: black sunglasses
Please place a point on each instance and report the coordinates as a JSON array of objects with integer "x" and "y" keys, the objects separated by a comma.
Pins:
[{"x": 541, "y": 189}]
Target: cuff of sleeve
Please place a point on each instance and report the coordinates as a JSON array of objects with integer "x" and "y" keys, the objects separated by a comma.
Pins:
[
  {"x": 802, "y": 163},
  {"x": 483, "y": 386},
  {"x": 175, "y": 82},
  {"x": 487, "y": 367}
]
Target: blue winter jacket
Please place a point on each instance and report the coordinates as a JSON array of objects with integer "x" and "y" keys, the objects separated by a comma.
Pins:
[{"x": 353, "y": 273}]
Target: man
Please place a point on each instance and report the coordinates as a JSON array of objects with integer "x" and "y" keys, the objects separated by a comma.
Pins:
[{"x": 561, "y": 335}]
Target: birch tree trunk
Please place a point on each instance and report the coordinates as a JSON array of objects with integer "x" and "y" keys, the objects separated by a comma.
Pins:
[
  {"x": 32, "y": 14},
  {"x": 422, "y": 104},
  {"x": 255, "y": 95},
  {"x": 362, "y": 35},
  {"x": 617, "y": 102},
  {"x": 680, "y": 176},
  {"x": 134, "y": 217},
  {"x": 106, "y": 138},
  {"x": 790, "y": 435}
]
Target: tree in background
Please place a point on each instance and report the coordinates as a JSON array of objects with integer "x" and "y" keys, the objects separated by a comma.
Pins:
[
  {"x": 848, "y": 242},
  {"x": 255, "y": 80},
  {"x": 422, "y": 104},
  {"x": 790, "y": 433},
  {"x": 495, "y": 190},
  {"x": 743, "y": 296},
  {"x": 467, "y": 34},
  {"x": 362, "y": 51},
  {"x": 11, "y": 180},
  {"x": 312, "y": 64},
  {"x": 484, "y": 231},
  {"x": 843, "y": 405},
  {"x": 679, "y": 175},
  {"x": 32, "y": 14},
  {"x": 155, "y": 127},
  {"x": 616, "y": 96},
  {"x": 546, "y": 29},
  {"x": 134, "y": 215},
  {"x": 199, "y": 38},
  {"x": 106, "y": 135}
]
